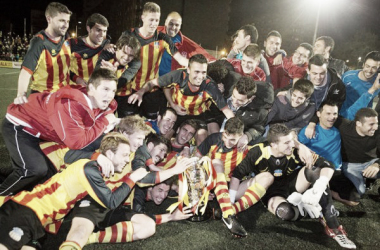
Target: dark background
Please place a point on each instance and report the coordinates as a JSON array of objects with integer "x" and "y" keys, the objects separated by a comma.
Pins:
[{"x": 352, "y": 23}]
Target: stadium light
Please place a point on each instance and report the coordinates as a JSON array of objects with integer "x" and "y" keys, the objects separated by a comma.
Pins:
[{"x": 325, "y": 4}]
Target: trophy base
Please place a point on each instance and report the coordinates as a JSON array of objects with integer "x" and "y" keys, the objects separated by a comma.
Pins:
[{"x": 202, "y": 217}]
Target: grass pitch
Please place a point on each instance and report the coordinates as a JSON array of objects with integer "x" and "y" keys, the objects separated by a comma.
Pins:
[{"x": 362, "y": 222}]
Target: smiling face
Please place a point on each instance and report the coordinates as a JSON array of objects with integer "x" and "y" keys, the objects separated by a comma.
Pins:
[
  {"x": 184, "y": 134},
  {"x": 173, "y": 25},
  {"x": 159, "y": 193},
  {"x": 317, "y": 74},
  {"x": 97, "y": 34},
  {"x": 125, "y": 55},
  {"x": 166, "y": 123},
  {"x": 370, "y": 68},
  {"x": 272, "y": 45},
  {"x": 157, "y": 152},
  {"x": 368, "y": 126},
  {"x": 197, "y": 73},
  {"x": 230, "y": 140},
  {"x": 102, "y": 95},
  {"x": 284, "y": 146},
  {"x": 150, "y": 22},
  {"x": 239, "y": 100},
  {"x": 301, "y": 56},
  {"x": 120, "y": 158},
  {"x": 327, "y": 116},
  {"x": 297, "y": 99},
  {"x": 248, "y": 64},
  {"x": 58, "y": 24},
  {"x": 136, "y": 140}
]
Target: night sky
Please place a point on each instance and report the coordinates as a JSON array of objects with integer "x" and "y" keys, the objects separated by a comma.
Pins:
[{"x": 340, "y": 19}]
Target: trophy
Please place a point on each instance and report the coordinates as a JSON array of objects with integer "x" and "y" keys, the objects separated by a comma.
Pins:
[{"x": 194, "y": 187}]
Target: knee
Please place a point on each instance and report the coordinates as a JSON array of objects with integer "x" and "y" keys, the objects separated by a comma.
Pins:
[
  {"x": 312, "y": 175},
  {"x": 38, "y": 172},
  {"x": 218, "y": 165},
  {"x": 143, "y": 226},
  {"x": 287, "y": 212},
  {"x": 265, "y": 179}
]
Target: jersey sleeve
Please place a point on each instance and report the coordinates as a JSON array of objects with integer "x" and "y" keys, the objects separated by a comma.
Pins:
[
  {"x": 170, "y": 78},
  {"x": 33, "y": 54},
  {"x": 101, "y": 193},
  {"x": 106, "y": 56},
  {"x": 216, "y": 96},
  {"x": 168, "y": 43},
  {"x": 247, "y": 166},
  {"x": 74, "y": 132},
  {"x": 85, "y": 153},
  {"x": 205, "y": 146},
  {"x": 129, "y": 73}
]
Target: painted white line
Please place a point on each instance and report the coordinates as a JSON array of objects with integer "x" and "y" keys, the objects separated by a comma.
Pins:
[{"x": 10, "y": 73}]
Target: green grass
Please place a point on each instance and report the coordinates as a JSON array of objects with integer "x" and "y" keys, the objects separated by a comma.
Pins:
[{"x": 362, "y": 223}]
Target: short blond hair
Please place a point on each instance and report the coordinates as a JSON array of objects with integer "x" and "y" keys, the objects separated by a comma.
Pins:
[
  {"x": 151, "y": 7},
  {"x": 133, "y": 124},
  {"x": 112, "y": 141}
]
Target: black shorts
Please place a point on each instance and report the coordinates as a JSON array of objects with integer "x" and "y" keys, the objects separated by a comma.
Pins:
[
  {"x": 100, "y": 216},
  {"x": 282, "y": 188},
  {"x": 344, "y": 187},
  {"x": 152, "y": 103},
  {"x": 202, "y": 119},
  {"x": 20, "y": 220}
]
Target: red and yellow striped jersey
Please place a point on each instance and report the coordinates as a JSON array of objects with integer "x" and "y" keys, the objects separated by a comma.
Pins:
[
  {"x": 52, "y": 200},
  {"x": 214, "y": 148},
  {"x": 152, "y": 49},
  {"x": 48, "y": 62},
  {"x": 196, "y": 101},
  {"x": 124, "y": 73},
  {"x": 83, "y": 58}
]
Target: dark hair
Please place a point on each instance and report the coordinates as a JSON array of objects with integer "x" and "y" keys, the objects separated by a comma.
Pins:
[
  {"x": 328, "y": 42},
  {"x": 234, "y": 126},
  {"x": 217, "y": 71},
  {"x": 308, "y": 47},
  {"x": 274, "y": 33},
  {"x": 328, "y": 103},
  {"x": 151, "y": 7},
  {"x": 304, "y": 86},
  {"x": 169, "y": 182},
  {"x": 317, "y": 60},
  {"x": 250, "y": 30},
  {"x": 276, "y": 131},
  {"x": 253, "y": 50},
  {"x": 54, "y": 8},
  {"x": 97, "y": 18},
  {"x": 191, "y": 122},
  {"x": 374, "y": 55},
  {"x": 363, "y": 113},
  {"x": 163, "y": 111},
  {"x": 246, "y": 86},
  {"x": 130, "y": 41},
  {"x": 101, "y": 74},
  {"x": 199, "y": 58},
  {"x": 157, "y": 140}
]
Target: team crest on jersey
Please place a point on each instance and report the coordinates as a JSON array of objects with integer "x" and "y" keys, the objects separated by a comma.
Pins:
[
  {"x": 85, "y": 55},
  {"x": 16, "y": 234},
  {"x": 53, "y": 52},
  {"x": 156, "y": 45},
  {"x": 84, "y": 203},
  {"x": 277, "y": 173}
]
